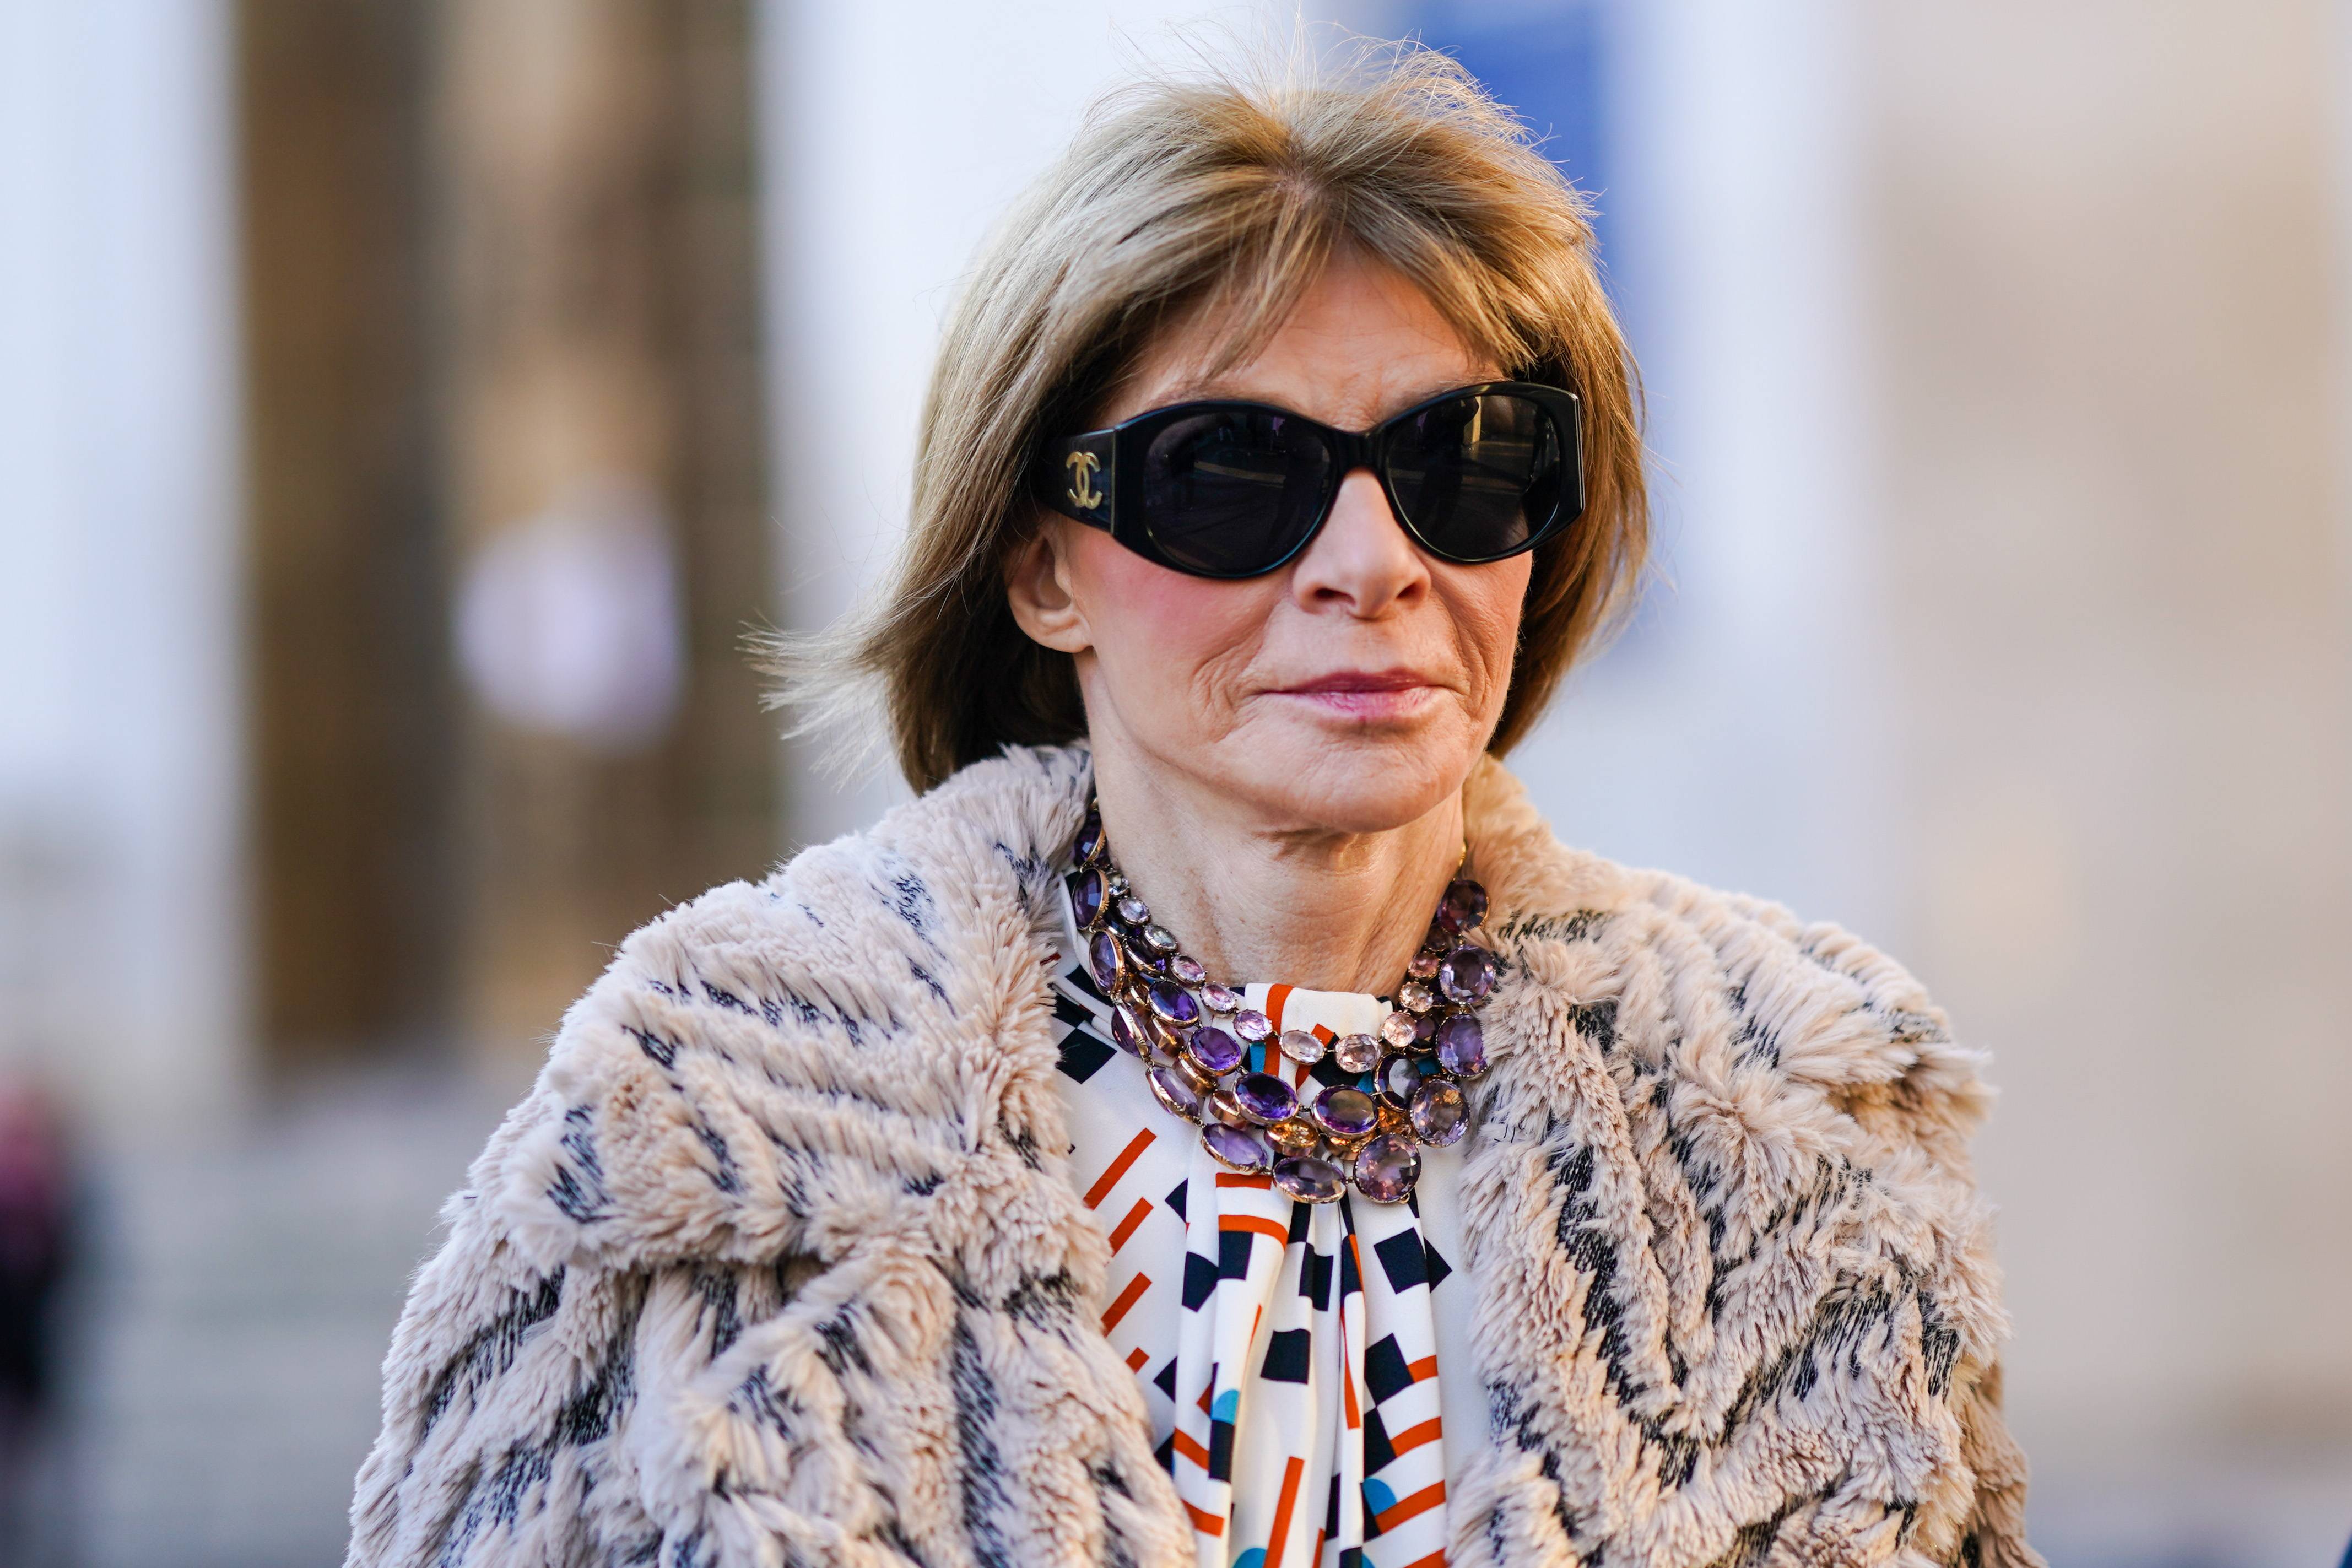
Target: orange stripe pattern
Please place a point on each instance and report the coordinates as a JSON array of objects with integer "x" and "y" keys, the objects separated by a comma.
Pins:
[
  {"x": 1126, "y": 1297},
  {"x": 1413, "y": 1506},
  {"x": 1135, "y": 1216},
  {"x": 1280, "y": 1536},
  {"x": 1118, "y": 1168}
]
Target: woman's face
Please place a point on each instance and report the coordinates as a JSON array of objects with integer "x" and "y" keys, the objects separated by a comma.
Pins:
[{"x": 1350, "y": 690}]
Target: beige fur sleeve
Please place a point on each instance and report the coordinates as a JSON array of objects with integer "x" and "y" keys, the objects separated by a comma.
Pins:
[
  {"x": 586, "y": 1416},
  {"x": 505, "y": 1394}
]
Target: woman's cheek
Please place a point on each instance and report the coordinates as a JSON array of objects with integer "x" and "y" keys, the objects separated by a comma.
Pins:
[
  {"x": 1489, "y": 626},
  {"x": 1125, "y": 598},
  {"x": 1164, "y": 636}
]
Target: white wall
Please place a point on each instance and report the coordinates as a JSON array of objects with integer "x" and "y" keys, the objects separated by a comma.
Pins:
[
  {"x": 1728, "y": 737},
  {"x": 2111, "y": 498},
  {"x": 121, "y": 957}
]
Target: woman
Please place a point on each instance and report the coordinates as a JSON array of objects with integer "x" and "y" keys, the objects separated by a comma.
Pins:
[{"x": 1217, "y": 1122}]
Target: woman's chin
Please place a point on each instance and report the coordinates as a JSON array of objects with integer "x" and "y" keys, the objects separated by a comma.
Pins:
[{"x": 1363, "y": 782}]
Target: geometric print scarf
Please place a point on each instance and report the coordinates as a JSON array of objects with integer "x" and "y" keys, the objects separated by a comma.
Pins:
[{"x": 1287, "y": 1351}]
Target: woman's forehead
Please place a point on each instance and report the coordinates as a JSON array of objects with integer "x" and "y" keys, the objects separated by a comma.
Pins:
[{"x": 1360, "y": 343}]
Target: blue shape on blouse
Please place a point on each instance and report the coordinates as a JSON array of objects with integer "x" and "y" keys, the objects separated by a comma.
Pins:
[
  {"x": 1226, "y": 1406},
  {"x": 1379, "y": 1497}
]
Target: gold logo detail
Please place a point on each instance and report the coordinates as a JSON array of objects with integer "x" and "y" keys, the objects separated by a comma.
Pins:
[{"x": 1083, "y": 466}]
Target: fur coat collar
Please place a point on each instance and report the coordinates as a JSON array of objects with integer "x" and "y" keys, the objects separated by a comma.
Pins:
[{"x": 779, "y": 1264}]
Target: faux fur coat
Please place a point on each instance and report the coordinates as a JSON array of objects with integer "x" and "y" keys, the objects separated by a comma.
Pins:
[{"x": 780, "y": 1262}]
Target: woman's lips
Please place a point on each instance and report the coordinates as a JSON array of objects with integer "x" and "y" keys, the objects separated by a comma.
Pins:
[{"x": 1365, "y": 694}]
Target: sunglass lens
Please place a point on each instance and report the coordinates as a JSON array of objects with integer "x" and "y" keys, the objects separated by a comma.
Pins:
[
  {"x": 1479, "y": 476},
  {"x": 1232, "y": 492}
]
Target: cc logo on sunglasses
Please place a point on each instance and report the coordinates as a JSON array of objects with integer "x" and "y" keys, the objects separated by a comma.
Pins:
[{"x": 1082, "y": 467}]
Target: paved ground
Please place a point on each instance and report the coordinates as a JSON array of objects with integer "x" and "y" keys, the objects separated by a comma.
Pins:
[{"x": 227, "y": 1388}]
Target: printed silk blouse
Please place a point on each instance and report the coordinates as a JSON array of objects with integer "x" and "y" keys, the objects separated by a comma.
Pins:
[{"x": 1288, "y": 1352}]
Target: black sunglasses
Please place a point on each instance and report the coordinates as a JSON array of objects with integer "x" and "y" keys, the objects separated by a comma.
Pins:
[{"x": 1235, "y": 489}]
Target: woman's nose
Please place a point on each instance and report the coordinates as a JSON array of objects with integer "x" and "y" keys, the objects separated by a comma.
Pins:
[{"x": 1362, "y": 560}]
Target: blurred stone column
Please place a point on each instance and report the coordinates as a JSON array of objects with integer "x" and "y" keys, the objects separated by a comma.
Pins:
[
  {"x": 349, "y": 738},
  {"x": 604, "y": 466}
]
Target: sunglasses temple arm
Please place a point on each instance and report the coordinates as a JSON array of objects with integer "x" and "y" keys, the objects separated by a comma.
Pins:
[
  {"x": 1576, "y": 434},
  {"x": 1076, "y": 477}
]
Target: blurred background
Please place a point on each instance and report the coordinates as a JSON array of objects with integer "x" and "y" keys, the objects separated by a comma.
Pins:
[{"x": 405, "y": 408}]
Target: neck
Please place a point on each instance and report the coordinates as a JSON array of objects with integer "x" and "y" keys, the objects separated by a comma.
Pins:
[{"x": 1259, "y": 900}]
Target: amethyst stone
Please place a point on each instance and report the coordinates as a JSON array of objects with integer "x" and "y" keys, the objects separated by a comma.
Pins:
[
  {"x": 1400, "y": 1076},
  {"x": 1187, "y": 970},
  {"x": 1355, "y": 1053},
  {"x": 1303, "y": 1046},
  {"x": 1397, "y": 1029},
  {"x": 1171, "y": 1088},
  {"x": 1467, "y": 973},
  {"x": 1413, "y": 996},
  {"x": 1423, "y": 965},
  {"x": 1424, "y": 1029},
  {"x": 1345, "y": 1112},
  {"x": 1086, "y": 897},
  {"x": 1440, "y": 1113},
  {"x": 1252, "y": 1025},
  {"x": 1134, "y": 910},
  {"x": 1214, "y": 1049},
  {"x": 1221, "y": 1107},
  {"x": 1159, "y": 939},
  {"x": 1090, "y": 835},
  {"x": 1308, "y": 1179},
  {"x": 1387, "y": 1167},
  {"x": 1463, "y": 906},
  {"x": 1106, "y": 959},
  {"x": 1220, "y": 998},
  {"x": 1265, "y": 1098},
  {"x": 1126, "y": 1034},
  {"x": 1173, "y": 1003},
  {"x": 1462, "y": 1046},
  {"x": 1243, "y": 1148}
]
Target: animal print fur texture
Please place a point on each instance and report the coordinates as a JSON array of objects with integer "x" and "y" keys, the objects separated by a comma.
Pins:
[{"x": 776, "y": 1265}]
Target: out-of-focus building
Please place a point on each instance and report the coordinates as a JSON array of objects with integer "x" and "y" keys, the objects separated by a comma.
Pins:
[
  {"x": 384, "y": 508},
  {"x": 404, "y": 410},
  {"x": 387, "y": 508},
  {"x": 508, "y": 514}
]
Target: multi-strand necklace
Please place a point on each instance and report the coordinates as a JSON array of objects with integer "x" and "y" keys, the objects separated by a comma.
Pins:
[{"x": 1360, "y": 1119}]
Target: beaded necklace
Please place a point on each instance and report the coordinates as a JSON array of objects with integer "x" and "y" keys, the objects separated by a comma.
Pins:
[{"x": 1401, "y": 1089}]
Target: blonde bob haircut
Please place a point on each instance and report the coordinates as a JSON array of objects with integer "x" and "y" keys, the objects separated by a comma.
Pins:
[{"x": 1217, "y": 199}]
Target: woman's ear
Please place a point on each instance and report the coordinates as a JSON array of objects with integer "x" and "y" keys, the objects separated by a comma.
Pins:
[{"x": 1037, "y": 585}]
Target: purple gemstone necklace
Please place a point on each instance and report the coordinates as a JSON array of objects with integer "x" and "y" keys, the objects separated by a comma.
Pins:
[{"x": 1363, "y": 1119}]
